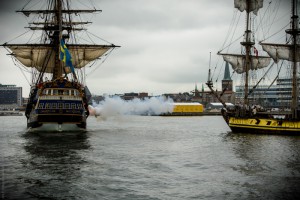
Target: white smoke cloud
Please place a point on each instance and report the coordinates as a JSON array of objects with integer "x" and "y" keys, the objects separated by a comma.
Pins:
[{"x": 115, "y": 106}]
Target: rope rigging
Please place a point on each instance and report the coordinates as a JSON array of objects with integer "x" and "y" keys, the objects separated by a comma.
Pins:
[{"x": 261, "y": 24}]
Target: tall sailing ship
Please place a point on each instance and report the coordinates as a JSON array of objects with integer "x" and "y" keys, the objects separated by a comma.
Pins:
[
  {"x": 58, "y": 99},
  {"x": 253, "y": 118}
]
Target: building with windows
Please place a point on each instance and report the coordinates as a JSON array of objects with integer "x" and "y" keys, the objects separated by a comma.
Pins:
[
  {"x": 10, "y": 97},
  {"x": 284, "y": 92},
  {"x": 278, "y": 96}
]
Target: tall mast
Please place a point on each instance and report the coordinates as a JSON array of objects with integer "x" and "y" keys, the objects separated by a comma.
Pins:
[
  {"x": 294, "y": 31},
  {"x": 209, "y": 72},
  {"x": 210, "y": 85},
  {"x": 57, "y": 71},
  {"x": 247, "y": 44},
  {"x": 44, "y": 56}
]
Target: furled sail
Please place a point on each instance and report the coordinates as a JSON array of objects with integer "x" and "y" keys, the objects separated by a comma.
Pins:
[
  {"x": 281, "y": 52},
  {"x": 41, "y": 56},
  {"x": 254, "y": 5},
  {"x": 238, "y": 62}
]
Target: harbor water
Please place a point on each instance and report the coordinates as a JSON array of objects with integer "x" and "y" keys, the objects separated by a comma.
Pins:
[{"x": 147, "y": 157}]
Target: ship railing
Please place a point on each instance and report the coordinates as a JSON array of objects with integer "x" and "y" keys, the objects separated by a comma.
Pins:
[{"x": 60, "y": 97}]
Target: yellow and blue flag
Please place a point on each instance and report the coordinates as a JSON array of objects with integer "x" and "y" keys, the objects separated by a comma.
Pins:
[{"x": 65, "y": 55}]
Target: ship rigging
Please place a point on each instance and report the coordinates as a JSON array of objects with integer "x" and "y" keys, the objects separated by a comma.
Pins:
[{"x": 249, "y": 118}]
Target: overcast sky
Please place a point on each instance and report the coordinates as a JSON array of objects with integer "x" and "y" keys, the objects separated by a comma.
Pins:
[{"x": 165, "y": 44}]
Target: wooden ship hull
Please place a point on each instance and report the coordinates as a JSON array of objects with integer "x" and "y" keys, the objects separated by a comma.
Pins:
[{"x": 58, "y": 105}]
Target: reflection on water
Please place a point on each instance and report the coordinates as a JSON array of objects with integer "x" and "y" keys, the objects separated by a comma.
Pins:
[
  {"x": 148, "y": 158},
  {"x": 52, "y": 163},
  {"x": 270, "y": 164}
]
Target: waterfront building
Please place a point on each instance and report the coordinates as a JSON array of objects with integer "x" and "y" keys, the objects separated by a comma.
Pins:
[
  {"x": 10, "y": 97},
  {"x": 278, "y": 95}
]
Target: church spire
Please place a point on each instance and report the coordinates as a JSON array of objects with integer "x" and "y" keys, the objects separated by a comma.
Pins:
[
  {"x": 196, "y": 90},
  {"x": 227, "y": 81},
  {"x": 227, "y": 72}
]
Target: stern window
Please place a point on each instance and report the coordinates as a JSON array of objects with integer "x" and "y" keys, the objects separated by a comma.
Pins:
[{"x": 66, "y": 92}]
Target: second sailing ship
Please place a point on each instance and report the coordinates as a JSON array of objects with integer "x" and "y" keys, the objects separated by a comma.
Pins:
[{"x": 252, "y": 118}]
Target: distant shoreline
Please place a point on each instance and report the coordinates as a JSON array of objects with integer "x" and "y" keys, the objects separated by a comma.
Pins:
[{"x": 205, "y": 113}]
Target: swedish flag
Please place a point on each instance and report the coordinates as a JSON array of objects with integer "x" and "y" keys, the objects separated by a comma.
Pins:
[{"x": 65, "y": 55}]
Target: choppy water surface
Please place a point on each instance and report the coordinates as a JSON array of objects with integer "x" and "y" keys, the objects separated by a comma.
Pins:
[{"x": 144, "y": 157}]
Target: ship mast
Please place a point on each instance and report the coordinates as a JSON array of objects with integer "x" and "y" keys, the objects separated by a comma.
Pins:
[
  {"x": 294, "y": 31},
  {"x": 243, "y": 63},
  {"x": 57, "y": 71},
  {"x": 290, "y": 53},
  {"x": 45, "y": 57},
  {"x": 247, "y": 44},
  {"x": 210, "y": 85}
]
